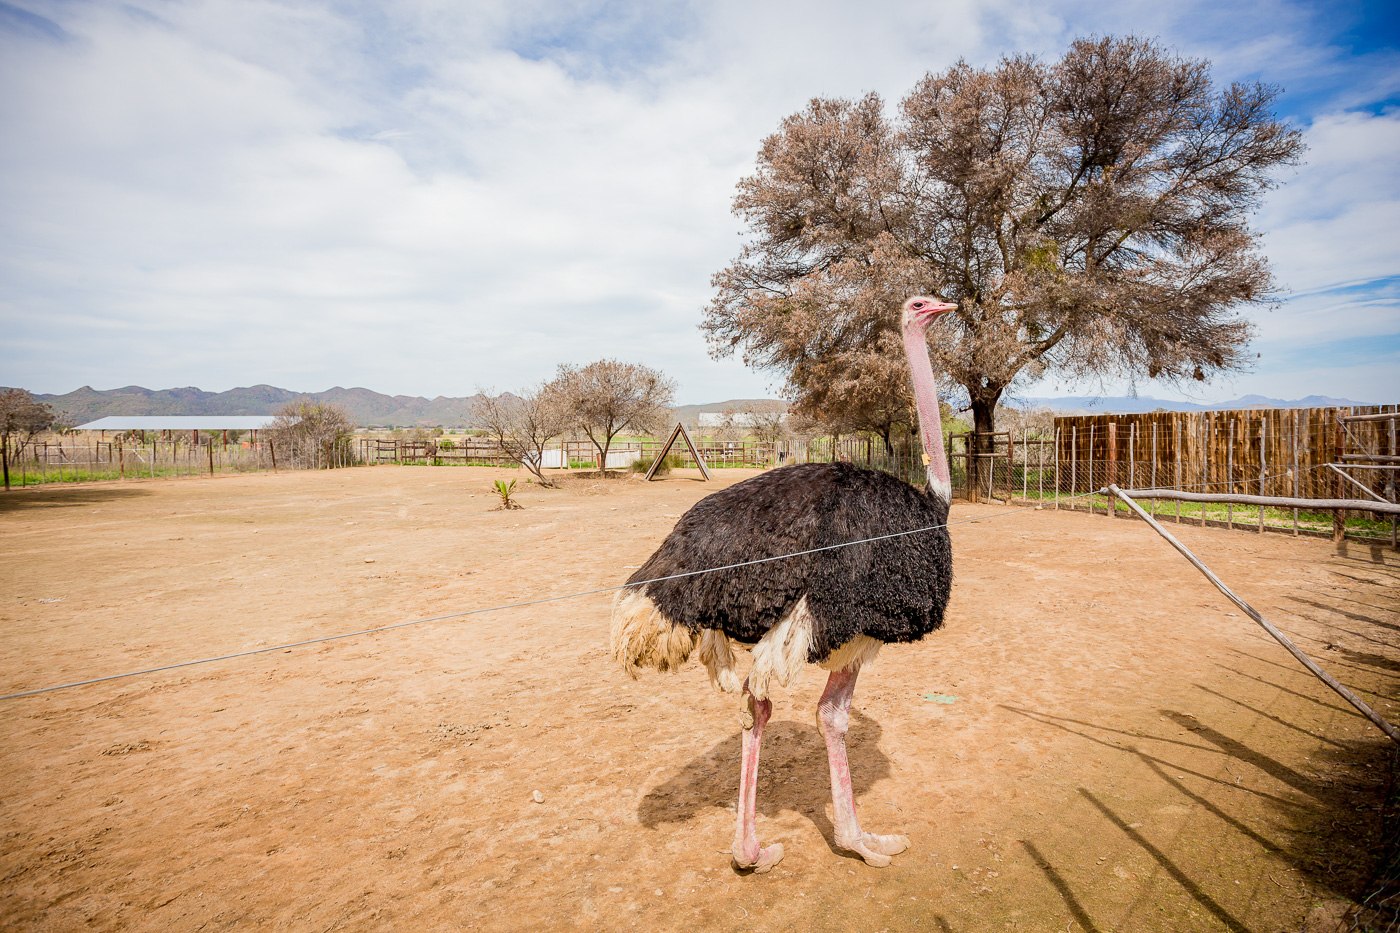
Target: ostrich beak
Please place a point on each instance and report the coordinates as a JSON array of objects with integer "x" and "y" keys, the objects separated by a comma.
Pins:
[{"x": 920, "y": 311}]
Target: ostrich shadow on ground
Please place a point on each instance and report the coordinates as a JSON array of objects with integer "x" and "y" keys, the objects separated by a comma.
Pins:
[{"x": 792, "y": 775}]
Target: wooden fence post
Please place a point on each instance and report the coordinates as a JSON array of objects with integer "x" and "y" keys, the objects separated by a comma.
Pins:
[
  {"x": 1339, "y": 516},
  {"x": 1092, "y": 484},
  {"x": 1112, "y": 466},
  {"x": 1296, "y": 493},
  {"x": 1263, "y": 456},
  {"x": 1073, "y": 463},
  {"x": 1230, "y": 475},
  {"x": 1178, "y": 455}
]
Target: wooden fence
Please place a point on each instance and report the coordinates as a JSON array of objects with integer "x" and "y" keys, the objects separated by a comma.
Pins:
[
  {"x": 1309, "y": 453},
  {"x": 1274, "y": 452}
]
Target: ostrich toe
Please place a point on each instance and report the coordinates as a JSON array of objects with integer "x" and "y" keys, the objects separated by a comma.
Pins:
[
  {"x": 761, "y": 861},
  {"x": 875, "y": 848}
]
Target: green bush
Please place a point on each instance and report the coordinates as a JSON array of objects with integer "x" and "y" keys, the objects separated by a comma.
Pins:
[{"x": 642, "y": 464}]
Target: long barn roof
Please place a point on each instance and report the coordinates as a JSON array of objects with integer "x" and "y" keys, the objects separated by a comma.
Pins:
[{"x": 179, "y": 423}]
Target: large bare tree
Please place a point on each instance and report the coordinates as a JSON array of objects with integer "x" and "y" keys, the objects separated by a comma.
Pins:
[
  {"x": 1090, "y": 217},
  {"x": 608, "y": 396},
  {"x": 22, "y": 416},
  {"x": 524, "y": 424}
]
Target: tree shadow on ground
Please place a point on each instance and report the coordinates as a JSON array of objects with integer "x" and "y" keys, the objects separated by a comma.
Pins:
[
  {"x": 31, "y": 498},
  {"x": 792, "y": 775},
  {"x": 1340, "y": 832}
]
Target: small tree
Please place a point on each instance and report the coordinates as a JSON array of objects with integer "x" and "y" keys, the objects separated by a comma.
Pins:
[
  {"x": 767, "y": 424},
  {"x": 608, "y": 396},
  {"x": 316, "y": 433},
  {"x": 523, "y": 424},
  {"x": 21, "y": 417}
]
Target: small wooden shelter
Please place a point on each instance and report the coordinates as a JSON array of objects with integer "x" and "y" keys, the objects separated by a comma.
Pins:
[{"x": 679, "y": 432}]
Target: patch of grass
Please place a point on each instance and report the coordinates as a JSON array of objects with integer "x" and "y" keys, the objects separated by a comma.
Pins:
[
  {"x": 672, "y": 462},
  {"x": 1245, "y": 516}
]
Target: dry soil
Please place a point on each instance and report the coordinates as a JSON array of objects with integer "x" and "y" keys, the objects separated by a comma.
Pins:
[{"x": 1097, "y": 740}]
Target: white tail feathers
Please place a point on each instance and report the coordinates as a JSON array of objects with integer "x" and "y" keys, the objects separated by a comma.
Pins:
[
  {"x": 717, "y": 654},
  {"x": 643, "y": 638}
]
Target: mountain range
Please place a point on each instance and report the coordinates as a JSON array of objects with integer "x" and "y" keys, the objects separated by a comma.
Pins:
[
  {"x": 362, "y": 405},
  {"x": 369, "y": 408},
  {"x": 1128, "y": 405}
]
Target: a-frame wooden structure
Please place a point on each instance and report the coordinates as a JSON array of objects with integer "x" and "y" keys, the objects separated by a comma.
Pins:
[{"x": 680, "y": 432}]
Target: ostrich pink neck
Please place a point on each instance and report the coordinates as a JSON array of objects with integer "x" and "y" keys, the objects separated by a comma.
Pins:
[{"x": 930, "y": 419}]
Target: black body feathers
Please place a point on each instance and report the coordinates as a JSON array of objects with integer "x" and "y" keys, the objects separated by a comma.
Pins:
[{"x": 893, "y": 590}]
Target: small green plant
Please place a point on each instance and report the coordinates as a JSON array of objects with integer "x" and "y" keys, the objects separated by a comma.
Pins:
[{"x": 504, "y": 489}]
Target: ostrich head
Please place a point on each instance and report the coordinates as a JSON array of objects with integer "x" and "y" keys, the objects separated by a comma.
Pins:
[{"x": 920, "y": 311}]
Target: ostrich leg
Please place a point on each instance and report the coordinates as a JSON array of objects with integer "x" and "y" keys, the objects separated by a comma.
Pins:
[
  {"x": 747, "y": 853},
  {"x": 834, "y": 718}
]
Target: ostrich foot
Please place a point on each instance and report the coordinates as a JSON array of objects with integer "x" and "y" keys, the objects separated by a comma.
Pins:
[
  {"x": 760, "y": 860},
  {"x": 874, "y": 848}
]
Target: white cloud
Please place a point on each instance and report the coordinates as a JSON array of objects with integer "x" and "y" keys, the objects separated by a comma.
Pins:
[
  {"x": 431, "y": 196},
  {"x": 1334, "y": 221}
]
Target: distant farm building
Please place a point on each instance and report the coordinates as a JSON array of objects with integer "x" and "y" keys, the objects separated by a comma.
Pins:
[
  {"x": 733, "y": 419},
  {"x": 179, "y": 423}
]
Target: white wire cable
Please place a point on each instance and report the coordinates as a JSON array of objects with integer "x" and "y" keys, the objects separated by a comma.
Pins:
[
  {"x": 519, "y": 605},
  {"x": 472, "y": 612}
]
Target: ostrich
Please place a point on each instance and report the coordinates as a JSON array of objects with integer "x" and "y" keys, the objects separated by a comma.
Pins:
[{"x": 834, "y": 608}]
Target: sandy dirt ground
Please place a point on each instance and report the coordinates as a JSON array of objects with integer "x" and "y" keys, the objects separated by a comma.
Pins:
[{"x": 1096, "y": 741}]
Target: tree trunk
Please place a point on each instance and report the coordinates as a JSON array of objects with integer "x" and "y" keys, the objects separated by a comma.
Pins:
[
  {"x": 5, "y": 455},
  {"x": 886, "y": 435},
  {"x": 984, "y": 408}
]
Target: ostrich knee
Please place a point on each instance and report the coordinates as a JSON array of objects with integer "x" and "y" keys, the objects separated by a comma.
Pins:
[{"x": 833, "y": 721}]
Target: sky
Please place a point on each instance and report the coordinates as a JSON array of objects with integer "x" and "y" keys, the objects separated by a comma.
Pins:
[{"x": 432, "y": 197}]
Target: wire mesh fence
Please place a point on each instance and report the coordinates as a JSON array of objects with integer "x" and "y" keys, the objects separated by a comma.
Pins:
[{"x": 78, "y": 459}]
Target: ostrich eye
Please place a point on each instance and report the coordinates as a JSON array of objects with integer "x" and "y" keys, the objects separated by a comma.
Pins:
[{"x": 918, "y": 304}]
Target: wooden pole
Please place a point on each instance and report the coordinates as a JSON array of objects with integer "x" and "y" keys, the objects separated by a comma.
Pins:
[
  {"x": 1152, "y": 506},
  {"x": 1389, "y": 508},
  {"x": 1180, "y": 456},
  {"x": 1394, "y": 541},
  {"x": 1205, "y": 457},
  {"x": 1230, "y": 475},
  {"x": 1294, "y": 468},
  {"x": 1250, "y": 611},
  {"x": 1263, "y": 451},
  {"x": 1112, "y": 464},
  {"x": 1073, "y": 462},
  {"x": 1339, "y": 517},
  {"x": 1092, "y": 483}
]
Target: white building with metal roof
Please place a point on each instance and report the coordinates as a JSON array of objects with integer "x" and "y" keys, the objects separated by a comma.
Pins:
[{"x": 179, "y": 423}]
